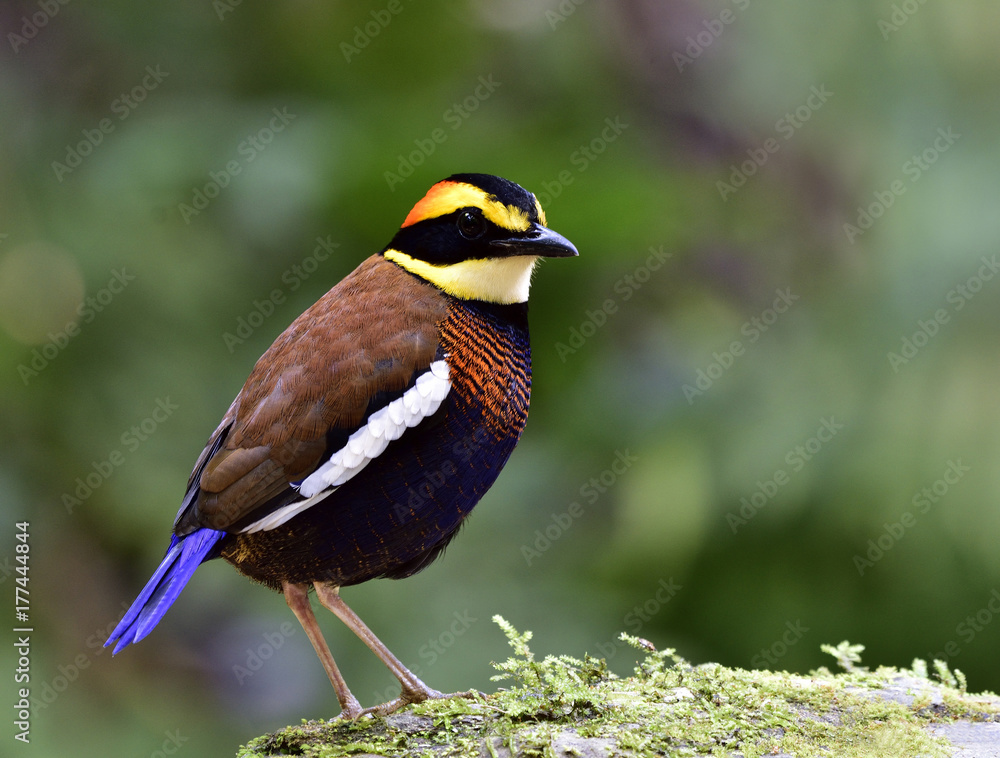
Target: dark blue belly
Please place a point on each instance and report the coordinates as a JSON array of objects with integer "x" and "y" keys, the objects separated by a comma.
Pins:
[{"x": 400, "y": 511}]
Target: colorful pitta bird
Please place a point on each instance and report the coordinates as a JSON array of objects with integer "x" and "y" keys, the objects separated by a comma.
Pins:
[{"x": 365, "y": 435}]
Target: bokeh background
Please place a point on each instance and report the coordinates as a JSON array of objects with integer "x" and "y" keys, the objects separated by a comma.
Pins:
[{"x": 781, "y": 331}]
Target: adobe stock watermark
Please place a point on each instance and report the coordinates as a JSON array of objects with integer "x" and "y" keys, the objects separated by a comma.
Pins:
[
  {"x": 752, "y": 329},
  {"x": 293, "y": 278},
  {"x": 453, "y": 117},
  {"x": 785, "y": 127},
  {"x": 968, "y": 628},
  {"x": 427, "y": 487},
  {"x": 86, "y": 312},
  {"x": 901, "y": 13},
  {"x": 581, "y": 159},
  {"x": 922, "y": 503},
  {"x": 122, "y": 107},
  {"x": 913, "y": 169},
  {"x": 257, "y": 656},
  {"x": 561, "y": 12},
  {"x": 131, "y": 440},
  {"x": 976, "y": 622},
  {"x": 957, "y": 297},
  {"x": 33, "y": 24},
  {"x": 372, "y": 28},
  {"x": 247, "y": 152},
  {"x": 796, "y": 460},
  {"x": 640, "y": 615},
  {"x": 769, "y": 656},
  {"x": 623, "y": 290},
  {"x": 6, "y": 569},
  {"x": 173, "y": 739},
  {"x": 435, "y": 647},
  {"x": 712, "y": 29},
  {"x": 67, "y": 673},
  {"x": 223, "y": 8},
  {"x": 590, "y": 492}
]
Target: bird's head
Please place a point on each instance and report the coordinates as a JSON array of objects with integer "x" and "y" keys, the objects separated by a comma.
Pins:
[{"x": 477, "y": 237}]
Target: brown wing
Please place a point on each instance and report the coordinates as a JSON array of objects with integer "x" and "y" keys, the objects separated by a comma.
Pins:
[{"x": 368, "y": 335}]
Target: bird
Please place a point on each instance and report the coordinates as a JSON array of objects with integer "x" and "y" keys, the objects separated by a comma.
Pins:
[{"x": 367, "y": 432}]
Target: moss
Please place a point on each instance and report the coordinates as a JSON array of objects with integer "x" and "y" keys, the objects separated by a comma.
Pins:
[{"x": 563, "y": 705}]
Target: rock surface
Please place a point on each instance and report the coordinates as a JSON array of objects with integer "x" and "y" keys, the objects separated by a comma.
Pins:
[{"x": 565, "y": 707}]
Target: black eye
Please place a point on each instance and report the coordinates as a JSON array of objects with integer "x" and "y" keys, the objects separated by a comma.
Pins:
[{"x": 471, "y": 224}]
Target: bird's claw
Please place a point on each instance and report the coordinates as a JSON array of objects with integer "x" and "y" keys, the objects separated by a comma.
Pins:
[{"x": 405, "y": 699}]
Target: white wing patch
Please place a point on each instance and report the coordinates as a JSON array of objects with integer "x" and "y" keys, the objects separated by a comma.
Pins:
[{"x": 367, "y": 443}]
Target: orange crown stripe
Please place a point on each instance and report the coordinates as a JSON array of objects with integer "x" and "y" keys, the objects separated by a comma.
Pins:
[
  {"x": 443, "y": 198},
  {"x": 446, "y": 197}
]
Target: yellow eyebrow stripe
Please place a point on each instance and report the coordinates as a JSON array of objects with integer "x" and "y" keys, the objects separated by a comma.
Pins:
[
  {"x": 446, "y": 197},
  {"x": 541, "y": 213}
]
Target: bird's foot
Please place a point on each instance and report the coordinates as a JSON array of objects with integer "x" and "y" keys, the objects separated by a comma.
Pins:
[
  {"x": 409, "y": 697},
  {"x": 351, "y": 709}
]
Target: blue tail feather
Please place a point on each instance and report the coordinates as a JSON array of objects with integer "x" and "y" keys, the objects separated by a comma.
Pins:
[{"x": 183, "y": 556}]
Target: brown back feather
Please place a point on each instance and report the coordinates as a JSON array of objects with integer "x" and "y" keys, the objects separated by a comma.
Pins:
[{"x": 368, "y": 334}]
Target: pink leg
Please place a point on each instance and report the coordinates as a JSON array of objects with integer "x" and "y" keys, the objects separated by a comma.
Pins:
[
  {"x": 414, "y": 690},
  {"x": 296, "y": 595}
]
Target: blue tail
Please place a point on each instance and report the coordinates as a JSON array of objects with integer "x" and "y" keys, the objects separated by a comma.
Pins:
[{"x": 183, "y": 556}]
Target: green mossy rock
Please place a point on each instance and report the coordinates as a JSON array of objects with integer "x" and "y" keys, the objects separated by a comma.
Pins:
[{"x": 562, "y": 706}]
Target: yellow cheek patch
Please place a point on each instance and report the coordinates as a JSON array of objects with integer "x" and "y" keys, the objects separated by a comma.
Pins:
[{"x": 447, "y": 197}]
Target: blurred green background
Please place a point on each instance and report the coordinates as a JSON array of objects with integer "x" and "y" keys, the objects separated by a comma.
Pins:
[{"x": 769, "y": 383}]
